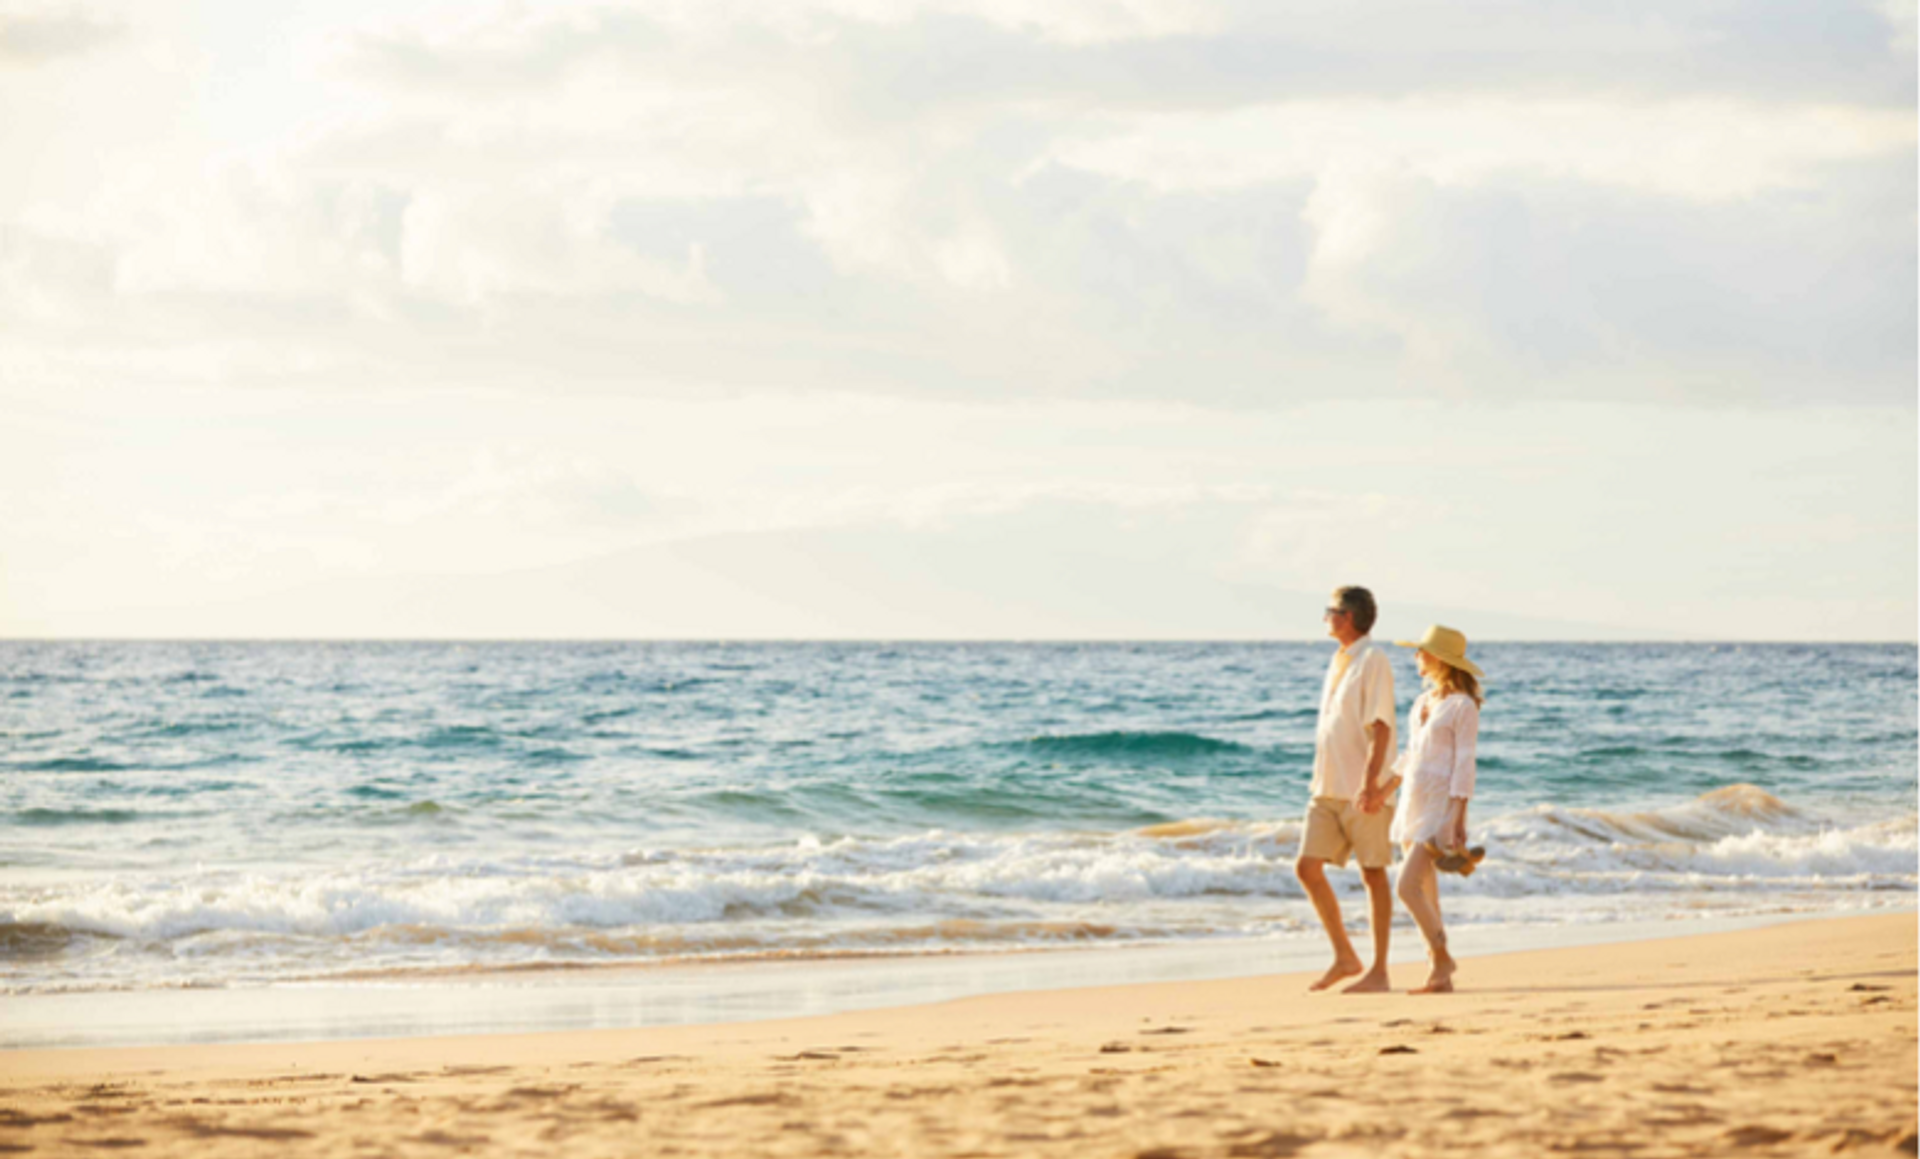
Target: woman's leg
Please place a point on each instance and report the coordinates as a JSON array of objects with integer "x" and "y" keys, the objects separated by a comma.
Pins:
[{"x": 1420, "y": 891}]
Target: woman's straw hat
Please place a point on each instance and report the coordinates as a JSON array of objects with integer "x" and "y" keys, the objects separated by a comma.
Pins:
[{"x": 1445, "y": 645}]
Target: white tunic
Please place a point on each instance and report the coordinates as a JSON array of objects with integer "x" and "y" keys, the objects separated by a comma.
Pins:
[
  {"x": 1361, "y": 695},
  {"x": 1438, "y": 764}
]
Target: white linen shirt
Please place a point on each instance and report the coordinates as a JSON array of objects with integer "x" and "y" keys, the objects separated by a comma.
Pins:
[
  {"x": 1362, "y": 695},
  {"x": 1443, "y": 749}
]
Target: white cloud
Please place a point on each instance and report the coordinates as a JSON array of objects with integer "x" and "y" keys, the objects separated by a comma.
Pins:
[
  {"x": 35, "y": 34},
  {"x": 1707, "y": 150},
  {"x": 369, "y": 290},
  {"x": 47, "y": 279},
  {"x": 474, "y": 246},
  {"x": 1902, "y": 18},
  {"x": 954, "y": 197}
]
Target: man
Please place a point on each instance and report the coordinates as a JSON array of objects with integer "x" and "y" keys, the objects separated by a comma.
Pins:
[{"x": 1350, "y": 812}]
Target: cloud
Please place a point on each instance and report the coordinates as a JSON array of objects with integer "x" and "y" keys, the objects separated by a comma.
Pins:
[
  {"x": 470, "y": 246},
  {"x": 495, "y": 52},
  {"x": 1143, "y": 199},
  {"x": 1901, "y": 20},
  {"x": 47, "y": 279},
  {"x": 1715, "y": 151},
  {"x": 1547, "y": 284},
  {"x": 1172, "y": 54},
  {"x": 36, "y": 34}
]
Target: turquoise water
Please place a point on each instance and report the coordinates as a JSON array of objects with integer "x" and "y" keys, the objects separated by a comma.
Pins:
[{"x": 215, "y": 814}]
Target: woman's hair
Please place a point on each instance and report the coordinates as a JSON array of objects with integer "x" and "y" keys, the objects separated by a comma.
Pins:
[{"x": 1451, "y": 680}]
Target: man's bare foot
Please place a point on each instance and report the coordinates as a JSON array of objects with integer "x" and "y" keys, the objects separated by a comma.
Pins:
[
  {"x": 1345, "y": 968},
  {"x": 1375, "y": 982}
]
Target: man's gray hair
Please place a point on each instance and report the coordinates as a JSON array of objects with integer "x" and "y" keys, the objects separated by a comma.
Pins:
[{"x": 1358, "y": 603}]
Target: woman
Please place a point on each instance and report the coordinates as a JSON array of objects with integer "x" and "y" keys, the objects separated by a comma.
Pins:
[{"x": 1443, "y": 730}]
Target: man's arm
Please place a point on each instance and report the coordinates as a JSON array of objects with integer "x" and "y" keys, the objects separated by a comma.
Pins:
[
  {"x": 1379, "y": 740},
  {"x": 1376, "y": 700}
]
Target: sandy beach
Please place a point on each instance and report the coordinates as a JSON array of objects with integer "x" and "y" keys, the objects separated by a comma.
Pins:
[{"x": 1790, "y": 1040}]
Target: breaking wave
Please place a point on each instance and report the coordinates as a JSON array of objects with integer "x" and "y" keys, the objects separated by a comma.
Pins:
[{"x": 933, "y": 891}]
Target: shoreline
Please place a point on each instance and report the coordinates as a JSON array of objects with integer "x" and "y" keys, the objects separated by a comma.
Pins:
[
  {"x": 631, "y": 996},
  {"x": 1764, "y": 1041}
]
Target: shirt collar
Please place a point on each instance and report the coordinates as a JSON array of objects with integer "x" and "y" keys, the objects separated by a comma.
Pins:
[{"x": 1354, "y": 648}]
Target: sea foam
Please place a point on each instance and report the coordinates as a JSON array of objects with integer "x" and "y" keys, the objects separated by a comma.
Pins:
[
  {"x": 936, "y": 889},
  {"x": 211, "y": 814}
]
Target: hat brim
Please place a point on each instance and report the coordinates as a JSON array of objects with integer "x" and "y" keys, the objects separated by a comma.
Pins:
[{"x": 1460, "y": 662}]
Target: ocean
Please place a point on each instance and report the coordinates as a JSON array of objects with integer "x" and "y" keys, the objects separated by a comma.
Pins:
[{"x": 189, "y": 816}]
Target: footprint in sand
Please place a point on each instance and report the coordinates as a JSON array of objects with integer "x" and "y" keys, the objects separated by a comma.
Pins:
[
  {"x": 12, "y": 1118},
  {"x": 298, "y": 1078},
  {"x": 908, "y": 1093},
  {"x": 201, "y": 1129},
  {"x": 448, "y": 1139},
  {"x": 767, "y": 1099},
  {"x": 1276, "y": 1145},
  {"x": 540, "y": 1093}
]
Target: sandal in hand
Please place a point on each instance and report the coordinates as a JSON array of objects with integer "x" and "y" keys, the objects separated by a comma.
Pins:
[{"x": 1462, "y": 861}]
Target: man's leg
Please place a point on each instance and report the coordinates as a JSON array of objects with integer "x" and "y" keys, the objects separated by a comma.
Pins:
[
  {"x": 1312, "y": 872},
  {"x": 1380, "y": 916}
]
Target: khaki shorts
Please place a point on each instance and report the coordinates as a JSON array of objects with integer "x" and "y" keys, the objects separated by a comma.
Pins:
[{"x": 1336, "y": 828}]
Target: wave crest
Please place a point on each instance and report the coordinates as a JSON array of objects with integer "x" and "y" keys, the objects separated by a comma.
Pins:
[
  {"x": 1135, "y": 745},
  {"x": 934, "y": 891}
]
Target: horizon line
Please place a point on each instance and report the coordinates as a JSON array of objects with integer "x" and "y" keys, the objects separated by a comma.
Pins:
[{"x": 897, "y": 640}]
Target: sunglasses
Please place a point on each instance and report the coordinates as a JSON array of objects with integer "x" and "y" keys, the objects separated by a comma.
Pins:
[{"x": 1330, "y": 612}]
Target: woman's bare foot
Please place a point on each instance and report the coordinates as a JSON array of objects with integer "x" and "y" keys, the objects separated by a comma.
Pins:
[
  {"x": 1375, "y": 982},
  {"x": 1440, "y": 979},
  {"x": 1341, "y": 968}
]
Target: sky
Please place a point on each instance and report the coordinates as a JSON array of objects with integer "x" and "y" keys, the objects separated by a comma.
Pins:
[{"x": 1135, "y": 319}]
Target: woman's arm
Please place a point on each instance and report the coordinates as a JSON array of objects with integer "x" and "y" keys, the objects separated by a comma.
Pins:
[
  {"x": 1466, "y": 744},
  {"x": 1453, "y": 835}
]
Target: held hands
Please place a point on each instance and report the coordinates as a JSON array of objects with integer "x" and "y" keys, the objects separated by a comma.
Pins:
[{"x": 1374, "y": 798}]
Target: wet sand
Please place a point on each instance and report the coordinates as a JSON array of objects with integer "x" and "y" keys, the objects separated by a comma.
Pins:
[{"x": 1796, "y": 1039}]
